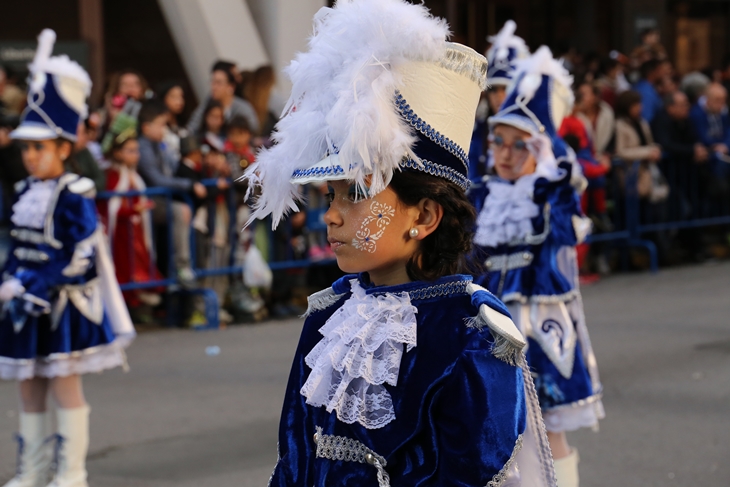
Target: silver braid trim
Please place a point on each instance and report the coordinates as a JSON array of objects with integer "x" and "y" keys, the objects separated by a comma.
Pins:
[
  {"x": 346, "y": 449},
  {"x": 463, "y": 60},
  {"x": 502, "y": 475},
  {"x": 536, "y": 423}
]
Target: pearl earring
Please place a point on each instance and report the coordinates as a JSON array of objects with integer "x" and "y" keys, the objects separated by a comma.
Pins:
[{"x": 413, "y": 232}]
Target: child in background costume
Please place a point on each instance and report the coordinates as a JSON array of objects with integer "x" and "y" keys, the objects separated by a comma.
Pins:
[
  {"x": 128, "y": 220},
  {"x": 506, "y": 48},
  {"x": 62, "y": 312},
  {"x": 529, "y": 223},
  {"x": 406, "y": 372}
]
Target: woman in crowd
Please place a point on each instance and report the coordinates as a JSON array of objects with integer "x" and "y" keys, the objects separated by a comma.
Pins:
[
  {"x": 173, "y": 97},
  {"x": 213, "y": 128},
  {"x": 258, "y": 92},
  {"x": 634, "y": 142},
  {"x": 64, "y": 315}
]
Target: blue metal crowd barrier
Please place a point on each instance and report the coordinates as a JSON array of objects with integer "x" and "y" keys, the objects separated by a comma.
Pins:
[{"x": 689, "y": 205}]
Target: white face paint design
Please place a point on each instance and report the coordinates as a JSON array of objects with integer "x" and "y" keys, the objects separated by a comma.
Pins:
[{"x": 379, "y": 217}]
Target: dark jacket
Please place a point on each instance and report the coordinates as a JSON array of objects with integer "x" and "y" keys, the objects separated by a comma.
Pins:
[{"x": 676, "y": 137}]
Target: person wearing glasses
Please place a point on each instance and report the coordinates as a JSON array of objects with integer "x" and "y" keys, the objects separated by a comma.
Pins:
[{"x": 528, "y": 225}]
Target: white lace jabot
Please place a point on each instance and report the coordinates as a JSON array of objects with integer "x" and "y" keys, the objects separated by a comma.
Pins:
[
  {"x": 360, "y": 351},
  {"x": 507, "y": 213},
  {"x": 31, "y": 208}
]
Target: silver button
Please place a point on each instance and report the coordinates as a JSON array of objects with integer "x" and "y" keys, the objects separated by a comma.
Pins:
[
  {"x": 316, "y": 438},
  {"x": 526, "y": 256},
  {"x": 489, "y": 263},
  {"x": 14, "y": 233},
  {"x": 370, "y": 458},
  {"x": 44, "y": 257}
]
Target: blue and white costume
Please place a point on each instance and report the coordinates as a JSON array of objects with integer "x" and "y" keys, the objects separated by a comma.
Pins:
[
  {"x": 417, "y": 383},
  {"x": 63, "y": 313},
  {"x": 422, "y": 383},
  {"x": 527, "y": 231},
  {"x": 60, "y": 320}
]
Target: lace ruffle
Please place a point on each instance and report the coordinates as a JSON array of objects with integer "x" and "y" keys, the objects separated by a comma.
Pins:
[
  {"x": 571, "y": 417},
  {"x": 361, "y": 352},
  {"x": 31, "y": 208},
  {"x": 93, "y": 360},
  {"x": 506, "y": 217}
]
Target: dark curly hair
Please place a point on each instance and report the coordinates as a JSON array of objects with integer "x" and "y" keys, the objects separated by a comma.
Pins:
[{"x": 445, "y": 251}]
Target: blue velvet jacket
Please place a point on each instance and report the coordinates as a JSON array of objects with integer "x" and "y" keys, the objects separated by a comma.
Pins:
[
  {"x": 459, "y": 408},
  {"x": 60, "y": 312},
  {"x": 518, "y": 271}
]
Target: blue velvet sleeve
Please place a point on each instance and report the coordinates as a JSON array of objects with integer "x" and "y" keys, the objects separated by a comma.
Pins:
[
  {"x": 479, "y": 415},
  {"x": 75, "y": 220},
  {"x": 564, "y": 205}
]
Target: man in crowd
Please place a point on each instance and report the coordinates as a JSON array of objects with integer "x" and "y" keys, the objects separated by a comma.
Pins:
[
  {"x": 652, "y": 72},
  {"x": 711, "y": 120},
  {"x": 222, "y": 90},
  {"x": 675, "y": 133}
]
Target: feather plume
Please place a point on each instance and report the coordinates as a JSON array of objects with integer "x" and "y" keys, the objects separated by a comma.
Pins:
[
  {"x": 543, "y": 63},
  {"x": 342, "y": 98},
  {"x": 58, "y": 65},
  {"x": 504, "y": 40}
]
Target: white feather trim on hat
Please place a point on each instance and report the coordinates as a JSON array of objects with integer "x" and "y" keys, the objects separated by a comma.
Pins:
[
  {"x": 342, "y": 98},
  {"x": 541, "y": 63},
  {"x": 58, "y": 65},
  {"x": 505, "y": 40}
]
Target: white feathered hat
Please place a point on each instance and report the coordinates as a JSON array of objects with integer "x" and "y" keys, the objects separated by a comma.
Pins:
[
  {"x": 57, "y": 95},
  {"x": 379, "y": 90}
]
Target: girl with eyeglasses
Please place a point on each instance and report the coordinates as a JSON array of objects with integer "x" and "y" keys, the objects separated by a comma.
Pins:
[{"x": 528, "y": 225}]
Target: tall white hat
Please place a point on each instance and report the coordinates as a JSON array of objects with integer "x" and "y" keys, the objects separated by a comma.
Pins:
[
  {"x": 57, "y": 95},
  {"x": 379, "y": 90}
]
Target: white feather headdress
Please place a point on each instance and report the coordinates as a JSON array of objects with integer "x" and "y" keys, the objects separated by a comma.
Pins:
[{"x": 342, "y": 99}]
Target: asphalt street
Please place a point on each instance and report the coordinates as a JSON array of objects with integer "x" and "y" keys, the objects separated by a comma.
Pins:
[{"x": 182, "y": 417}]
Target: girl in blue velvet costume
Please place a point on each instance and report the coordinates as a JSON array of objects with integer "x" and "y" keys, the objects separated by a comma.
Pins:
[
  {"x": 62, "y": 311},
  {"x": 528, "y": 226},
  {"x": 406, "y": 373}
]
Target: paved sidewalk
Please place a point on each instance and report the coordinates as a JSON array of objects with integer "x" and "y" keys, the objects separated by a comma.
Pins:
[{"x": 183, "y": 418}]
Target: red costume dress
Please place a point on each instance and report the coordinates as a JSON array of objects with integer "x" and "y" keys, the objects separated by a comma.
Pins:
[{"x": 129, "y": 230}]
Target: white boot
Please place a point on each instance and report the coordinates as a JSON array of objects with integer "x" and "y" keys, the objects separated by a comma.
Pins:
[
  {"x": 34, "y": 451},
  {"x": 73, "y": 444},
  {"x": 566, "y": 470}
]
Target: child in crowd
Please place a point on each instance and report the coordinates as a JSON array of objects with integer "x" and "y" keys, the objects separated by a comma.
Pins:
[
  {"x": 128, "y": 220},
  {"x": 212, "y": 216},
  {"x": 62, "y": 312},
  {"x": 158, "y": 170},
  {"x": 406, "y": 372},
  {"x": 528, "y": 225},
  {"x": 237, "y": 147}
]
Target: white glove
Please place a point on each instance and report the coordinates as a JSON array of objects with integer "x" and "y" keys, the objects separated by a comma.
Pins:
[{"x": 10, "y": 289}]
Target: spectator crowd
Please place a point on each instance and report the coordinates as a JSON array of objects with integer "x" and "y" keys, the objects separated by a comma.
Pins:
[
  {"x": 631, "y": 113},
  {"x": 138, "y": 141}
]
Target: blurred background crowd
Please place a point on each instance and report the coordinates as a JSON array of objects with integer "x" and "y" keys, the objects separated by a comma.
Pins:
[{"x": 649, "y": 121}]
